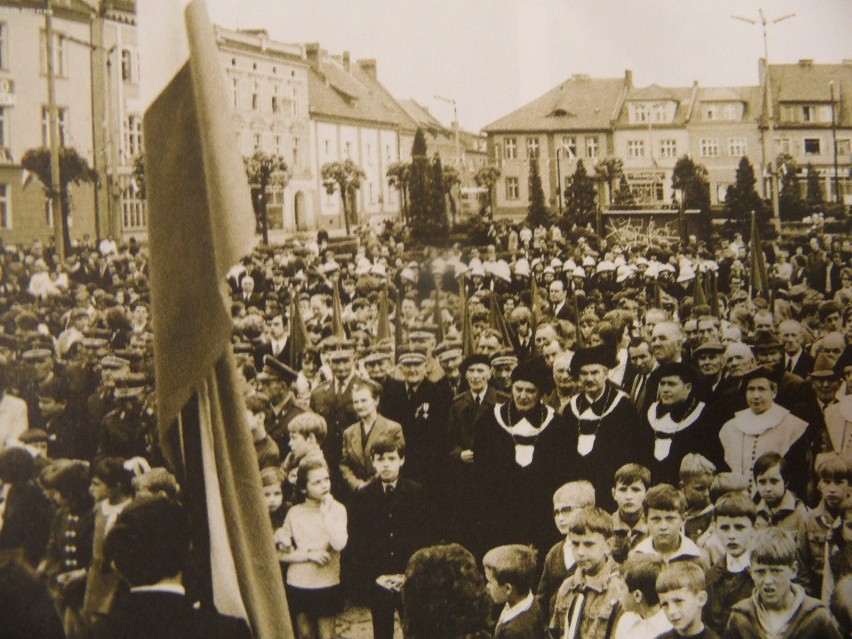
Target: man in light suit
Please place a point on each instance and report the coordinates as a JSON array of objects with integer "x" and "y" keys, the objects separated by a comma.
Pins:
[
  {"x": 356, "y": 464},
  {"x": 13, "y": 413}
]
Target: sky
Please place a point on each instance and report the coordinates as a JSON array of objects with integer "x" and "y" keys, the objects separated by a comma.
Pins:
[{"x": 493, "y": 56}]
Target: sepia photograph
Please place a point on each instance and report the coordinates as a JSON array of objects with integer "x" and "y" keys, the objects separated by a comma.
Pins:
[{"x": 418, "y": 319}]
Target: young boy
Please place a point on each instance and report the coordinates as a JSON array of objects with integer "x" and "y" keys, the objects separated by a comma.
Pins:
[
  {"x": 559, "y": 563},
  {"x": 664, "y": 511},
  {"x": 585, "y": 605},
  {"x": 729, "y": 580},
  {"x": 681, "y": 588},
  {"x": 307, "y": 433},
  {"x": 388, "y": 523},
  {"x": 778, "y": 507},
  {"x": 628, "y": 521},
  {"x": 723, "y": 483},
  {"x": 833, "y": 473},
  {"x": 696, "y": 476},
  {"x": 778, "y": 607},
  {"x": 509, "y": 577},
  {"x": 643, "y": 618}
]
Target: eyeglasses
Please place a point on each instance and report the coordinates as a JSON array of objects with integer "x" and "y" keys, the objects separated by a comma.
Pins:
[{"x": 565, "y": 510}]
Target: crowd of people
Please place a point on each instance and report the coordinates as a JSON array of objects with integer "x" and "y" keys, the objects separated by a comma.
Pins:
[{"x": 555, "y": 434}]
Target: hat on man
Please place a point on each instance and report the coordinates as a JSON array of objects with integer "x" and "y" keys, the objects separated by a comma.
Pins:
[
  {"x": 504, "y": 357},
  {"x": 410, "y": 354},
  {"x": 600, "y": 354},
  {"x": 709, "y": 346},
  {"x": 37, "y": 355},
  {"x": 376, "y": 354},
  {"x": 111, "y": 362},
  {"x": 274, "y": 369},
  {"x": 129, "y": 384},
  {"x": 448, "y": 349},
  {"x": 471, "y": 360},
  {"x": 535, "y": 371},
  {"x": 341, "y": 349},
  {"x": 828, "y": 308},
  {"x": 685, "y": 372},
  {"x": 765, "y": 341},
  {"x": 761, "y": 372},
  {"x": 423, "y": 332},
  {"x": 522, "y": 268}
]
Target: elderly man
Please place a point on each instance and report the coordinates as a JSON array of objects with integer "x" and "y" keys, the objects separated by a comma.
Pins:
[
  {"x": 603, "y": 425},
  {"x": 640, "y": 365},
  {"x": 519, "y": 459},
  {"x": 796, "y": 359},
  {"x": 502, "y": 364},
  {"x": 825, "y": 382},
  {"x": 765, "y": 427},
  {"x": 838, "y": 416}
]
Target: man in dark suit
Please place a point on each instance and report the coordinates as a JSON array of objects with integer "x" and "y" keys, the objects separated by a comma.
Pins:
[
  {"x": 275, "y": 381},
  {"x": 796, "y": 359},
  {"x": 558, "y": 300},
  {"x": 148, "y": 545},
  {"x": 333, "y": 400},
  {"x": 388, "y": 523},
  {"x": 248, "y": 295},
  {"x": 421, "y": 406},
  {"x": 277, "y": 343}
]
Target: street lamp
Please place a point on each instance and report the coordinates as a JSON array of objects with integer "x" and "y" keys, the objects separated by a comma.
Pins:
[
  {"x": 455, "y": 126},
  {"x": 776, "y": 215},
  {"x": 837, "y": 197}
]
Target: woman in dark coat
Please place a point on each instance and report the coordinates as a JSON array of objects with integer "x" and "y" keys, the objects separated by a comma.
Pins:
[{"x": 28, "y": 514}]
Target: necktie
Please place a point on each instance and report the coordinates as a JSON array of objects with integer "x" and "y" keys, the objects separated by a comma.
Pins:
[
  {"x": 789, "y": 364},
  {"x": 477, "y": 400},
  {"x": 389, "y": 489}
]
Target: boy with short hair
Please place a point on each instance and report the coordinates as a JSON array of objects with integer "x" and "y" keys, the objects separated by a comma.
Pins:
[
  {"x": 509, "y": 576},
  {"x": 643, "y": 618},
  {"x": 559, "y": 563},
  {"x": 778, "y": 607},
  {"x": 681, "y": 588},
  {"x": 778, "y": 506},
  {"x": 729, "y": 580},
  {"x": 307, "y": 433},
  {"x": 696, "y": 477},
  {"x": 388, "y": 523},
  {"x": 628, "y": 521},
  {"x": 664, "y": 509},
  {"x": 833, "y": 472},
  {"x": 585, "y": 605}
]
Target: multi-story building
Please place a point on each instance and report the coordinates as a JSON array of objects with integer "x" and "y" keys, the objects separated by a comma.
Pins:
[
  {"x": 268, "y": 84},
  {"x": 807, "y": 121},
  {"x": 573, "y": 120},
  {"x": 25, "y": 211},
  {"x": 354, "y": 117}
]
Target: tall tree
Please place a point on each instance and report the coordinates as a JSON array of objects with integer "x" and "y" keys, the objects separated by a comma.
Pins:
[
  {"x": 790, "y": 196},
  {"x": 419, "y": 186},
  {"x": 815, "y": 194},
  {"x": 486, "y": 177},
  {"x": 398, "y": 175},
  {"x": 347, "y": 177},
  {"x": 537, "y": 214},
  {"x": 451, "y": 180},
  {"x": 580, "y": 196},
  {"x": 73, "y": 169},
  {"x": 609, "y": 170},
  {"x": 438, "y": 226},
  {"x": 265, "y": 170},
  {"x": 690, "y": 179},
  {"x": 741, "y": 199},
  {"x": 624, "y": 199}
]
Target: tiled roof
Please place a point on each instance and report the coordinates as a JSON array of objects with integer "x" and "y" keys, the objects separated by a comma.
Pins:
[
  {"x": 750, "y": 96},
  {"x": 652, "y": 92},
  {"x": 422, "y": 117},
  {"x": 337, "y": 93},
  {"x": 810, "y": 83},
  {"x": 579, "y": 103},
  {"x": 681, "y": 95}
]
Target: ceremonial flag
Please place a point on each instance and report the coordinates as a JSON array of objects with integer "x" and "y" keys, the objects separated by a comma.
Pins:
[
  {"x": 438, "y": 318},
  {"x": 337, "y": 328},
  {"x": 298, "y": 333},
  {"x": 200, "y": 224},
  {"x": 715, "y": 307},
  {"x": 397, "y": 324},
  {"x": 383, "y": 330},
  {"x": 534, "y": 302},
  {"x": 466, "y": 329},
  {"x": 757, "y": 262},
  {"x": 498, "y": 323},
  {"x": 698, "y": 295}
]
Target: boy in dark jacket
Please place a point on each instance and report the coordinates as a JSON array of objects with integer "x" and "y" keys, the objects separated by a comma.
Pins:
[
  {"x": 778, "y": 607},
  {"x": 510, "y": 574}
]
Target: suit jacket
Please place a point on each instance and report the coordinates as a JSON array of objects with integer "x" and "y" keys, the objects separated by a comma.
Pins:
[
  {"x": 26, "y": 609},
  {"x": 168, "y": 616},
  {"x": 264, "y": 347},
  {"x": 463, "y": 415},
  {"x": 423, "y": 417},
  {"x": 338, "y": 413},
  {"x": 27, "y": 521},
  {"x": 804, "y": 365},
  {"x": 385, "y": 530},
  {"x": 356, "y": 464}
]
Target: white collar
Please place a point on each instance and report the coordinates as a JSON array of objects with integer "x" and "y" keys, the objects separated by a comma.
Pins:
[
  {"x": 687, "y": 548},
  {"x": 510, "y": 612},
  {"x": 750, "y": 424},
  {"x": 666, "y": 424},
  {"x": 568, "y": 555},
  {"x": 589, "y": 414},
  {"x": 175, "y": 589},
  {"x": 738, "y": 564}
]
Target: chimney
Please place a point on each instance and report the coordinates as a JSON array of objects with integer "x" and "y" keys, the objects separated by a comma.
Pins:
[
  {"x": 312, "y": 50},
  {"x": 346, "y": 61},
  {"x": 806, "y": 62},
  {"x": 628, "y": 78},
  {"x": 369, "y": 67}
]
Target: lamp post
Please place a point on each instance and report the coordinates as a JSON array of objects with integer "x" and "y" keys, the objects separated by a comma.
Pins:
[
  {"x": 837, "y": 196},
  {"x": 770, "y": 162},
  {"x": 53, "y": 135},
  {"x": 559, "y": 181}
]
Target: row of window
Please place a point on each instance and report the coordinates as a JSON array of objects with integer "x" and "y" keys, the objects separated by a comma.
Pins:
[
  {"x": 368, "y": 152},
  {"x": 813, "y": 146},
  {"x": 568, "y": 146},
  {"x": 250, "y": 96},
  {"x": 373, "y": 195},
  {"x": 129, "y": 57}
]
